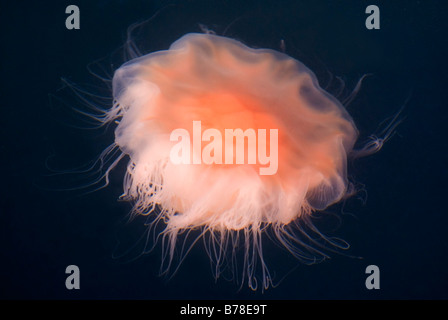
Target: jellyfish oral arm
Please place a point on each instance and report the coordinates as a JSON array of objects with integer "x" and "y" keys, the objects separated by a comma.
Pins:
[{"x": 256, "y": 151}]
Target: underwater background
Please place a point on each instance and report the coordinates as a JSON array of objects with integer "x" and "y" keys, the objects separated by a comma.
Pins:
[{"x": 398, "y": 221}]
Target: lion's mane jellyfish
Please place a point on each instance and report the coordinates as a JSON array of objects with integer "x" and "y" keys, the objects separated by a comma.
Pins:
[{"x": 294, "y": 140}]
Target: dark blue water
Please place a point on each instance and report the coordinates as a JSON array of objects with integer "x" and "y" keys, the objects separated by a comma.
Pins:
[{"x": 402, "y": 227}]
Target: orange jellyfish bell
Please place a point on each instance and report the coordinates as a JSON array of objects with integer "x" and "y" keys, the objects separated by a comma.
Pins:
[{"x": 229, "y": 139}]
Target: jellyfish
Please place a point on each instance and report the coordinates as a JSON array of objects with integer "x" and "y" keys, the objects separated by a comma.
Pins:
[{"x": 232, "y": 141}]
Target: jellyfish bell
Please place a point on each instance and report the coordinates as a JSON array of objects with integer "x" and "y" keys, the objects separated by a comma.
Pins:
[{"x": 225, "y": 85}]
